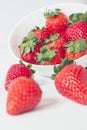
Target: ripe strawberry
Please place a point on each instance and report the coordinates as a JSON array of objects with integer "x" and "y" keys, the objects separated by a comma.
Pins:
[
  {"x": 76, "y": 49},
  {"x": 48, "y": 56},
  {"x": 55, "y": 41},
  {"x": 29, "y": 47},
  {"x": 15, "y": 71},
  {"x": 56, "y": 21},
  {"x": 29, "y": 57},
  {"x": 76, "y": 31},
  {"x": 71, "y": 81},
  {"x": 38, "y": 47},
  {"x": 42, "y": 33},
  {"x": 24, "y": 95}
]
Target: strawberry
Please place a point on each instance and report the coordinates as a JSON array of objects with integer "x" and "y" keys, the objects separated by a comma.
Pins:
[
  {"x": 28, "y": 43},
  {"x": 76, "y": 31},
  {"x": 29, "y": 57},
  {"x": 41, "y": 33},
  {"x": 55, "y": 41},
  {"x": 76, "y": 49},
  {"x": 71, "y": 81},
  {"x": 45, "y": 54},
  {"x": 28, "y": 48},
  {"x": 56, "y": 21},
  {"x": 38, "y": 47},
  {"x": 32, "y": 43},
  {"x": 24, "y": 95},
  {"x": 48, "y": 56},
  {"x": 15, "y": 71}
]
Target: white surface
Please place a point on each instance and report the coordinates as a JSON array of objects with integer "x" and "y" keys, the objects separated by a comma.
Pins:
[{"x": 54, "y": 112}]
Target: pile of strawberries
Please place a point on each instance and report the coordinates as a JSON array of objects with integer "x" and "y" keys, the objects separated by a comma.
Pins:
[
  {"x": 61, "y": 41},
  {"x": 61, "y": 37}
]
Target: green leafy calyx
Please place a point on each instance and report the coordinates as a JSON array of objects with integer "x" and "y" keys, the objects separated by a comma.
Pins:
[
  {"x": 52, "y": 38},
  {"x": 45, "y": 54},
  {"x": 76, "y": 46},
  {"x": 28, "y": 43},
  {"x": 78, "y": 17},
  {"x": 51, "y": 13}
]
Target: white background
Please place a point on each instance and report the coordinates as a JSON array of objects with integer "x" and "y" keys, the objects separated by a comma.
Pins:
[
  {"x": 53, "y": 113},
  {"x": 11, "y": 11}
]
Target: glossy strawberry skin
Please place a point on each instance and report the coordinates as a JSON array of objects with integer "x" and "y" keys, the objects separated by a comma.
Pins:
[
  {"x": 16, "y": 71},
  {"x": 71, "y": 82},
  {"x": 60, "y": 41},
  {"x": 42, "y": 34},
  {"x": 58, "y": 46},
  {"x": 57, "y": 24},
  {"x": 76, "y": 31},
  {"x": 29, "y": 57},
  {"x": 24, "y": 95},
  {"x": 37, "y": 47}
]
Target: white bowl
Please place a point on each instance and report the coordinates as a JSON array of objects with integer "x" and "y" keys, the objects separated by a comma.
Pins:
[{"x": 36, "y": 18}]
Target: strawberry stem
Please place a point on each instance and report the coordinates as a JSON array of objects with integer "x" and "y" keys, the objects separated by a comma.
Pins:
[{"x": 76, "y": 46}]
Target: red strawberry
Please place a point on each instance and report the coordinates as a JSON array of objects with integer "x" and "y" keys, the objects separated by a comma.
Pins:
[
  {"x": 17, "y": 70},
  {"x": 76, "y": 31},
  {"x": 41, "y": 34},
  {"x": 48, "y": 56},
  {"x": 71, "y": 81},
  {"x": 29, "y": 57},
  {"x": 38, "y": 47},
  {"x": 76, "y": 49},
  {"x": 55, "y": 41},
  {"x": 31, "y": 45},
  {"x": 27, "y": 48},
  {"x": 24, "y": 95},
  {"x": 56, "y": 21}
]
